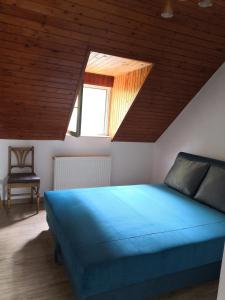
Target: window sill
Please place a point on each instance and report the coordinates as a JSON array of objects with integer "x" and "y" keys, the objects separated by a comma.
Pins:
[
  {"x": 90, "y": 136},
  {"x": 96, "y": 136}
]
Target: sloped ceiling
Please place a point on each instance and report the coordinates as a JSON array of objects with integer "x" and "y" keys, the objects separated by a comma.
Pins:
[{"x": 44, "y": 47}]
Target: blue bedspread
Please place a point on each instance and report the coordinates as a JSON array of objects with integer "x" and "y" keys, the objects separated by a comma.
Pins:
[{"x": 113, "y": 237}]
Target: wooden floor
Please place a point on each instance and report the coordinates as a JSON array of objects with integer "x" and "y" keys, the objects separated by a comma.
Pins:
[{"x": 27, "y": 268}]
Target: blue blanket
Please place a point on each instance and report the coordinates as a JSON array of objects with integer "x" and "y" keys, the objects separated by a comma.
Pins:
[{"x": 113, "y": 237}]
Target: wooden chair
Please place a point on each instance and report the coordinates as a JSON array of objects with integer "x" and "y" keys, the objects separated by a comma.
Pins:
[{"x": 21, "y": 159}]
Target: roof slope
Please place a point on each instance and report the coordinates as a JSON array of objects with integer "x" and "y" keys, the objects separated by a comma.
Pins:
[{"x": 44, "y": 47}]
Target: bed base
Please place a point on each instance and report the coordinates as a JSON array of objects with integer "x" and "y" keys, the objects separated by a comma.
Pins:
[
  {"x": 164, "y": 285},
  {"x": 152, "y": 288}
]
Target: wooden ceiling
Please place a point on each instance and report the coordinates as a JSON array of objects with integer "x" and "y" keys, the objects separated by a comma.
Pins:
[
  {"x": 100, "y": 63},
  {"x": 44, "y": 47}
]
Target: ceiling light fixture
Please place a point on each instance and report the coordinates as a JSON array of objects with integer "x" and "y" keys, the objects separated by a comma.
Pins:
[
  {"x": 205, "y": 3},
  {"x": 168, "y": 10},
  {"x": 168, "y": 7}
]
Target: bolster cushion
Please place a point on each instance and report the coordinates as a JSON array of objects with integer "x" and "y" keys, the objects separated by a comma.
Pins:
[
  {"x": 186, "y": 175},
  {"x": 212, "y": 189}
]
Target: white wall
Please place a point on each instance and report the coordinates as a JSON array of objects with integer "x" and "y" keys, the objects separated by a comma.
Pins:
[
  {"x": 199, "y": 129},
  {"x": 131, "y": 162}
]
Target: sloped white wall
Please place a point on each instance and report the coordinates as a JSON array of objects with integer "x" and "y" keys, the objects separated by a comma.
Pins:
[
  {"x": 131, "y": 162},
  {"x": 199, "y": 129}
]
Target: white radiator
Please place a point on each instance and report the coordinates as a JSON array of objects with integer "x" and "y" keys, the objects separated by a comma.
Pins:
[{"x": 78, "y": 172}]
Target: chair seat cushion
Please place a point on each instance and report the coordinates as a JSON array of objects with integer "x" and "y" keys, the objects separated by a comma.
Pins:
[{"x": 23, "y": 178}]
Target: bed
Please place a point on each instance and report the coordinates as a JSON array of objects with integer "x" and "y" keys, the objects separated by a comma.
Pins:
[{"x": 134, "y": 242}]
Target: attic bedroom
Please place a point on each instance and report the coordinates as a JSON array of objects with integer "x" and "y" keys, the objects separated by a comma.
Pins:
[{"x": 112, "y": 161}]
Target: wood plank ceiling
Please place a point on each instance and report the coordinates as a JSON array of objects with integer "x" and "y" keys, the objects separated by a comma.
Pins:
[
  {"x": 100, "y": 63},
  {"x": 44, "y": 46}
]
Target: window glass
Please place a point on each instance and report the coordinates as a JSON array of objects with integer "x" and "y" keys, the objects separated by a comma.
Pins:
[
  {"x": 90, "y": 112},
  {"x": 94, "y": 111}
]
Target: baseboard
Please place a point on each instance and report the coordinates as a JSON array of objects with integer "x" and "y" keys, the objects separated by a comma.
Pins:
[{"x": 22, "y": 201}]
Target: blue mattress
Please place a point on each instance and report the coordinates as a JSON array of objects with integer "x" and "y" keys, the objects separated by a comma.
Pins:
[{"x": 115, "y": 237}]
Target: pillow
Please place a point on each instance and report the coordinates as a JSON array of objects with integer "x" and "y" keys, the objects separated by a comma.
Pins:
[
  {"x": 212, "y": 189},
  {"x": 186, "y": 175}
]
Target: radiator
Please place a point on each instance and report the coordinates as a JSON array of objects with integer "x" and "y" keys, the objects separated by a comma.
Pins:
[{"x": 78, "y": 172}]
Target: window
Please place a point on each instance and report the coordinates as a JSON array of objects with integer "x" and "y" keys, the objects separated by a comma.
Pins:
[
  {"x": 95, "y": 110},
  {"x": 90, "y": 113},
  {"x": 73, "y": 120}
]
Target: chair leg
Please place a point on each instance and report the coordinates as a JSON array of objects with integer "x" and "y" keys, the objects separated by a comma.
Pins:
[
  {"x": 38, "y": 199},
  {"x": 9, "y": 197},
  {"x": 32, "y": 195}
]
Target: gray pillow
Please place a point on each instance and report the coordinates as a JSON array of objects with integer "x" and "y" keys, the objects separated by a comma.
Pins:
[
  {"x": 212, "y": 189},
  {"x": 186, "y": 175}
]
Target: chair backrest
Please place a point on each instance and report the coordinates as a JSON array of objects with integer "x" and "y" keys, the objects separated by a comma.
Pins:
[{"x": 23, "y": 158}]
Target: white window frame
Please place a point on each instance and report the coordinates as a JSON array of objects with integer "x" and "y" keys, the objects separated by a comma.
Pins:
[
  {"x": 79, "y": 112},
  {"x": 108, "y": 98}
]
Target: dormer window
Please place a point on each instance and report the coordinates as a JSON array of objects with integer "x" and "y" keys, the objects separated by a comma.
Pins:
[{"x": 111, "y": 84}]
